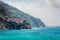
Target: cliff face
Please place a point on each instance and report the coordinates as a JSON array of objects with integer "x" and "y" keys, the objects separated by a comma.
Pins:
[{"x": 13, "y": 12}]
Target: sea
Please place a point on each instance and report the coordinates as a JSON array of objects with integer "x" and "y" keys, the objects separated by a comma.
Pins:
[{"x": 46, "y": 33}]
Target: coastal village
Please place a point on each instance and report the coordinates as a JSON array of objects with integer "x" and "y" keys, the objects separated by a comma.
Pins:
[{"x": 7, "y": 23}]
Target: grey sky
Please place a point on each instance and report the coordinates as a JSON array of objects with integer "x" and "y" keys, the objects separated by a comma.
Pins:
[{"x": 47, "y": 10}]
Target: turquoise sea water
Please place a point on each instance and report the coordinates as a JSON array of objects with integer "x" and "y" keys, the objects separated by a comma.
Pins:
[{"x": 48, "y": 33}]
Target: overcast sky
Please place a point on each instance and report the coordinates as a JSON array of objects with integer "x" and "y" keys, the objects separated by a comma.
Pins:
[{"x": 47, "y": 10}]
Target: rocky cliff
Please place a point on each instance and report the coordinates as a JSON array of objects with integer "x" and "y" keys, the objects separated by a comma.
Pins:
[{"x": 6, "y": 9}]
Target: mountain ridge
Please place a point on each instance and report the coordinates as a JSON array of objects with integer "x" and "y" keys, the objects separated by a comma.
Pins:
[{"x": 16, "y": 13}]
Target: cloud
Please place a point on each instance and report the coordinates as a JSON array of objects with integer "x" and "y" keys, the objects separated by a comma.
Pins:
[{"x": 53, "y": 3}]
